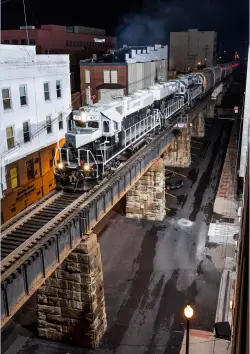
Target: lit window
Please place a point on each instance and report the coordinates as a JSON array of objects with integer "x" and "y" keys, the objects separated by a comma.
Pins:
[
  {"x": 106, "y": 76},
  {"x": 23, "y": 95},
  {"x": 58, "y": 89},
  {"x": 46, "y": 91},
  {"x": 6, "y": 98},
  {"x": 114, "y": 76},
  {"x": 10, "y": 137},
  {"x": 48, "y": 124},
  {"x": 13, "y": 177},
  {"x": 87, "y": 77},
  {"x": 26, "y": 132},
  {"x": 60, "y": 121}
]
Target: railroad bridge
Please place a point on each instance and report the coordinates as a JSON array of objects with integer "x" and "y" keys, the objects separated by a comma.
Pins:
[{"x": 61, "y": 258}]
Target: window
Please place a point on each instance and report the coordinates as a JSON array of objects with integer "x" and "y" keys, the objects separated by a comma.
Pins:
[
  {"x": 114, "y": 76},
  {"x": 6, "y": 98},
  {"x": 106, "y": 127},
  {"x": 71, "y": 44},
  {"x": 46, "y": 91},
  {"x": 58, "y": 89},
  {"x": 13, "y": 177},
  {"x": 67, "y": 43},
  {"x": 23, "y": 95},
  {"x": 87, "y": 77},
  {"x": 32, "y": 42},
  {"x": 26, "y": 132},
  {"x": 24, "y": 42},
  {"x": 10, "y": 137},
  {"x": 15, "y": 41},
  {"x": 60, "y": 121},
  {"x": 30, "y": 169},
  {"x": 6, "y": 41},
  {"x": 106, "y": 76},
  {"x": 48, "y": 124}
]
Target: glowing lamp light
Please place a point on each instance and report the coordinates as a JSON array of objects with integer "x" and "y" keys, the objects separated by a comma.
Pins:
[
  {"x": 86, "y": 167},
  {"x": 60, "y": 165},
  {"x": 188, "y": 312},
  {"x": 199, "y": 63}
]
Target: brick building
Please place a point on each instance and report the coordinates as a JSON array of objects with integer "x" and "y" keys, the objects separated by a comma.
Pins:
[
  {"x": 121, "y": 72},
  {"x": 78, "y": 41}
]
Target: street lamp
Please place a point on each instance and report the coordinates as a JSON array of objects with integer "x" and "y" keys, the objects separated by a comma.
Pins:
[{"x": 188, "y": 313}]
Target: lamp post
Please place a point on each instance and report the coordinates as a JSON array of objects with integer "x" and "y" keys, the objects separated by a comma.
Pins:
[{"x": 188, "y": 313}]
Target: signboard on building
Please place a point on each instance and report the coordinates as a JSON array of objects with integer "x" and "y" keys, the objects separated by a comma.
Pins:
[
  {"x": 99, "y": 40},
  {"x": 236, "y": 109}
]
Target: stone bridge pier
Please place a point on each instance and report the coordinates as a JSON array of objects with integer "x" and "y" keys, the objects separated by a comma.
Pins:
[
  {"x": 210, "y": 110},
  {"x": 197, "y": 130},
  {"x": 179, "y": 153},
  {"x": 219, "y": 100},
  {"x": 70, "y": 304},
  {"x": 146, "y": 199}
]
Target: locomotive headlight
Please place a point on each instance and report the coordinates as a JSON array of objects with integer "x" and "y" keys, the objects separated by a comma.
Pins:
[
  {"x": 86, "y": 167},
  {"x": 60, "y": 165}
]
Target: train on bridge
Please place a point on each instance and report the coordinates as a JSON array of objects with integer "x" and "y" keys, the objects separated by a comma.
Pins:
[{"x": 102, "y": 136}]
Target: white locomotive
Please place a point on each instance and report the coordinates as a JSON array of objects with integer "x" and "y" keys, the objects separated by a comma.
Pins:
[{"x": 101, "y": 136}]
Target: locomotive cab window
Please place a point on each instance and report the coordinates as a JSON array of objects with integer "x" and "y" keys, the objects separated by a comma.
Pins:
[
  {"x": 94, "y": 125},
  {"x": 106, "y": 127}
]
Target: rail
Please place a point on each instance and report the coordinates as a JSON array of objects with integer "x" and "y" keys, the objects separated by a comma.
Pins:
[{"x": 28, "y": 266}]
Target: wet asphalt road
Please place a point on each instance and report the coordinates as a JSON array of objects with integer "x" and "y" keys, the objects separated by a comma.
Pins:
[{"x": 151, "y": 269}]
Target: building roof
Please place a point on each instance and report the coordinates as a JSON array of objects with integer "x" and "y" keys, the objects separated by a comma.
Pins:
[{"x": 129, "y": 55}]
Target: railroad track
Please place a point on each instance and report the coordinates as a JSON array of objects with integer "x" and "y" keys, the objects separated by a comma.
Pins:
[
  {"x": 26, "y": 211},
  {"x": 16, "y": 238},
  {"x": 25, "y": 235}
]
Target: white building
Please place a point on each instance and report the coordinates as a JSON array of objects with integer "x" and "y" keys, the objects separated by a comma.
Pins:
[
  {"x": 35, "y": 101},
  {"x": 191, "y": 49}
]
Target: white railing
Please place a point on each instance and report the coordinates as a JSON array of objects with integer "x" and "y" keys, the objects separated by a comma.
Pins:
[
  {"x": 135, "y": 132},
  {"x": 173, "y": 108}
]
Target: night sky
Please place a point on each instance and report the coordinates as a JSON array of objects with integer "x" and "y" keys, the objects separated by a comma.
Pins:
[{"x": 140, "y": 22}]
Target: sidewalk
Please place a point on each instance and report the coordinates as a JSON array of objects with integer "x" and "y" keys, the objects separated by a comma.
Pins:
[{"x": 202, "y": 342}]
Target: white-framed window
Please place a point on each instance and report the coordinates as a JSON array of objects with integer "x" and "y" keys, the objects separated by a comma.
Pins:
[
  {"x": 6, "y": 99},
  {"x": 87, "y": 76},
  {"x": 106, "y": 76},
  {"x": 60, "y": 121},
  {"x": 13, "y": 177},
  {"x": 26, "y": 132},
  {"x": 49, "y": 124},
  {"x": 46, "y": 91},
  {"x": 113, "y": 76},
  {"x": 58, "y": 89},
  {"x": 10, "y": 137},
  {"x": 23, "y": 95}
]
